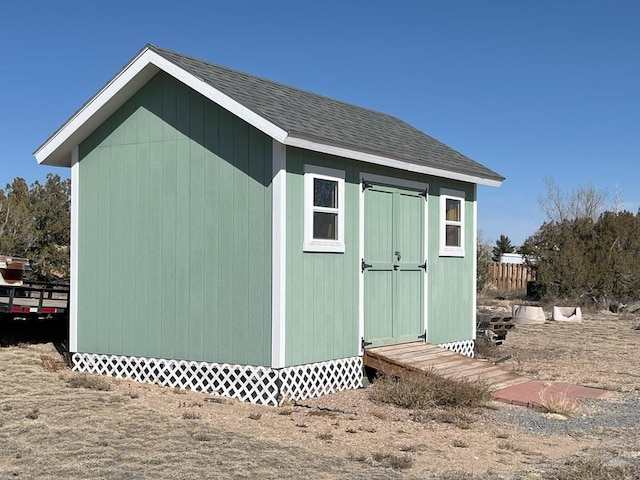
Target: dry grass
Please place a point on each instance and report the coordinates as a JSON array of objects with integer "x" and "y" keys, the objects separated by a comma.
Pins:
[
  {"x": 191, "y": 415},
  {"x": 594, "y": 469},
  {"x": 385, "y": 460},
  {"x": 90, "y": 382},
  {"x": 49, "y": 430},
  {"x": 460, "y": 417},
  {"x": 429, "y": 391},
  {"x": 52, "y": 363},
  {"x": 557, "y": 402},
  {"x": 603, "y": 351}
]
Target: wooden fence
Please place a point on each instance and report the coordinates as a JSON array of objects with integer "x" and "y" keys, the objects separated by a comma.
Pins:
[{"x": 510, "y": 276}]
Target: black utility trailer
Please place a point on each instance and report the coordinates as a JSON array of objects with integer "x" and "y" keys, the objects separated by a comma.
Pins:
[
  {"x": 34, "y": 301},
  {"x": 30, "y": 311}
]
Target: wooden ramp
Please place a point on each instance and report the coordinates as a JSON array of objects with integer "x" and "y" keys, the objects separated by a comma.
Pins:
[{"x": 406, "y": 358}]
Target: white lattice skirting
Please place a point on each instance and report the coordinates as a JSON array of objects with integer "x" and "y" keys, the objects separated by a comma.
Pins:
[
  {"x": 262, "y": 385},
  {"x": 465, "y": 347}
]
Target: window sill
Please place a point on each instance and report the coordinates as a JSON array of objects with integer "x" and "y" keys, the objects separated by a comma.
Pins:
[
  {"x": 332, "y": 247},
  {"x": 452, "y": 252}
]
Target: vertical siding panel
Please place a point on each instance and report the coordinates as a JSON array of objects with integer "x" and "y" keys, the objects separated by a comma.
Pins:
[
  {"x": 151, "y": 242},
  {"x": 182, "y": 243},
  {"x": 295, "y": 274},
  {"x": 319, "y": 312},
  {"x": 308, "y": 313},
  {"x": 169, "y": 250},
  {"x": 169, "y": 108},
  {"x": 212, "y": 234},
  {"x": 90, "y": 235},
  {"x": 240, "y": 238},
  {"x": 183, "y": 163},
  {"x": 140, "y": 313},
  {"x": 257, "y": 239},
  {"x": 153, "y": 98},
  {"x": 154, "y": 248},
  {"x": 196, "y": 229},
  {"x": 128, "y": 258},
  {"x": 267, "y": 216},
  {"x": 103, "y": 267},
  {"x": 183, "y": 112},
  {"x": 226, "y": 220}
]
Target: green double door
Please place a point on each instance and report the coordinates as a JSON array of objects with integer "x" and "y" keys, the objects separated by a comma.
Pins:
[{"x": 393, "y": 265}]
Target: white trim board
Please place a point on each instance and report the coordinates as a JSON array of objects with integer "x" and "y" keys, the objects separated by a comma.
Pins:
[
  {"x": 73, "y": 284},
  {"x": 385, "y": 161},
  {"x": 474, "y": 293},
  {"x": 57, "y": 149},
  {"x": 278, "y": 255}
]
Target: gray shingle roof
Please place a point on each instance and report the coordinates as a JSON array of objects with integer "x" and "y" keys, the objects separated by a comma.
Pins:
[{"x": 328, "y": 120}]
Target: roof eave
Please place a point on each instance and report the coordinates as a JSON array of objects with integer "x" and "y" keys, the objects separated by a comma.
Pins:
[
  {"x": 56, "y": 151},
  {"x": 342, "y": 151}
]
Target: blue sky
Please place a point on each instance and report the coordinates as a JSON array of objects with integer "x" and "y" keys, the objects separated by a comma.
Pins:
[{"x": 530, "y": 89}]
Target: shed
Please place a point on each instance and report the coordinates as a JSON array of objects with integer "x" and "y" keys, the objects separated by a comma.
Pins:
[{"x": 246, "y": 238}]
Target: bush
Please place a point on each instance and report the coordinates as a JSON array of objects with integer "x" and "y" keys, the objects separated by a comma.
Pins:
[
  {"x": 384, "y": 459},
  {"x": 429, "y": 390},
  {"x": 90, "y": 382},
  {"x": 591, "y": 262}
]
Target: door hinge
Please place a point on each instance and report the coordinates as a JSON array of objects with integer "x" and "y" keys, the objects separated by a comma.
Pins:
[
  {"x": 424, "y": 265},
  {"x": 423, "y": 336},
  {"x": 364, "y": 265},
  {"x": 364, "y": 344},
  {"x": 366, "y": 185}
]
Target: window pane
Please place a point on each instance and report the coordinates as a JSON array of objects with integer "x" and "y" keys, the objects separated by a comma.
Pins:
[
  {"x": 453, "y": 236},
  {"x": 325, "y": 193},
  {"x": 453, "y": 210},
  {"x": 325, "y": 225}
]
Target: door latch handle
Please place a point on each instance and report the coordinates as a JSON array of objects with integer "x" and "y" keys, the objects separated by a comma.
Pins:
[{"x": 397, "y": 254}]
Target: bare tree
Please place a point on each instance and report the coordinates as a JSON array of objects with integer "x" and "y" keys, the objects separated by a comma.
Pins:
[
  {"x": 584, "y": 202},
  {"x": 618, "y": 202}
]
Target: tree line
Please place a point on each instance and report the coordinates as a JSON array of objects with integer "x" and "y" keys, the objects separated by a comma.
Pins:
[
  {"x": 584, "y": 251},
  {"x": 35, "y": 223}
]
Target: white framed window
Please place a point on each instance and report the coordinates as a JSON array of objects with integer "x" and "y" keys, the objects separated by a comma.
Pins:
[
  {"x": 451, "y": 223},
  {"x": 323, "y": 209}
]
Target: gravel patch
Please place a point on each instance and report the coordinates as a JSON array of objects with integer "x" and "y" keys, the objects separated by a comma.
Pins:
[{"x": 618, "y": 414}]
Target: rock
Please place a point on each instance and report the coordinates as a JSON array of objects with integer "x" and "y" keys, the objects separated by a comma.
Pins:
[{"x": 555, "y": 416}]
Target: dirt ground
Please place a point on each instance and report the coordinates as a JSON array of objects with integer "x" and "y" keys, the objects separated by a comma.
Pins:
[{"x": 50, "y": 430}]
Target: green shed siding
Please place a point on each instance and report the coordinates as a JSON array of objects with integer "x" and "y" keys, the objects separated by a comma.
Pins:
[
  {"x": 451, "y": 286},
  {"x": 174, "y": 231},
  {"x": 323, "y": 288}
]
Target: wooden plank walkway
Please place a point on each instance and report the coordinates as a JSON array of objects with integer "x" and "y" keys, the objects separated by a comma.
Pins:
[{"x": 408, "y": 358}]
